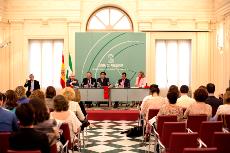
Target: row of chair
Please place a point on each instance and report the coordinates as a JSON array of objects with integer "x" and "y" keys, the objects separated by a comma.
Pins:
[
  {"x": 173, "y": 142},
  {"x": 4, "y": 145},
  {"x": 65, "y": 132}
]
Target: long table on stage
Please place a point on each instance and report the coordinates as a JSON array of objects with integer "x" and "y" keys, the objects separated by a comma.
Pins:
[{"x": 115, "y": 94}]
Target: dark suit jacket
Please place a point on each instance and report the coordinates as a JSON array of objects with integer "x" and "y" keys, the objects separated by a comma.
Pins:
[
  {"x": 214, "y": 102},
  {"x": 126, "y": 84},
  {"x": 74, "y": 84},
  {"x": 28, "y": 84},
  {"x": 93, "y": 82},
  {"x": 105, "y": 81},
  {"x": 29, "y": 139}
]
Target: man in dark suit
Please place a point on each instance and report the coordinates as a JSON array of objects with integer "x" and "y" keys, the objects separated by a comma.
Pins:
[
  {"x": 212, "y": 100},
  {"x": 122, "y": 83},
  {"x": 89, "y": 82},
  {"x": 102, "y": 81},
  {"x": 27, "y": 138},
  {"x": 31, "y": 84},
  {"x": 72, "y": 82}
]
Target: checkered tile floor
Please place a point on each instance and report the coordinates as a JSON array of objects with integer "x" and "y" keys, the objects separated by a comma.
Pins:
[{"x": 106, "y": 137}]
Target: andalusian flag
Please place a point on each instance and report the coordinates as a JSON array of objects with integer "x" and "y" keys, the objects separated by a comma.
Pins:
[
  {"x": 62, "y": 80},
  {"x": 70, "y": 68}
]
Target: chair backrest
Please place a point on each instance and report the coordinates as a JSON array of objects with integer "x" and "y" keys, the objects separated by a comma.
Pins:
[
  {"x": 200, "y": 150},
  {"x": 221, "y": 140},
  {"x": 226, "y": 120},
  {"x": 194, "y": 122},
  {"x": 66, "y": 134},
  {"x": 152, "y": 113},
  {"x": 164, "y": 118},
  {"x": 169, "y": 128},
  {"x": 207, "y": 130},
  {"x": 4, "y": 141},
  {"x": 53, "y": 148},
  {"x": 23, "y": 151},
  {"x": 178, "y": 141},
  {"x": 214, "y": 109}
]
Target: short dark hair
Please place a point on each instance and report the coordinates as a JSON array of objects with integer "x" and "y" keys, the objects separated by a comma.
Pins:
[
  {"x": 123, "y": 73},
  {"x": 25, "y": 114},
  {"x": 50, "y": 92},
  {"x": 228, "y": 89},
  {"x": 210, "y": 88},
  {"x": 154, "y": 89},
  {"x": 103, "y": 73},
  {"x": 60, "y": 103},
  {"x": 172, "y": 97},
  {"x": 200, "y": 95},
  {"x": 41, "y": 112},
  {"x": 173, "y": 88},
  {"x": 184, "y": 89}
]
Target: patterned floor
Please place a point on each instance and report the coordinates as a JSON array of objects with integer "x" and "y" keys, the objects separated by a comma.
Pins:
[{"x": 106, "y": 137}]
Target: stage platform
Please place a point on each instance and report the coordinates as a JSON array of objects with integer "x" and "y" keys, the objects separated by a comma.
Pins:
[{"x": 113, "y": 114}]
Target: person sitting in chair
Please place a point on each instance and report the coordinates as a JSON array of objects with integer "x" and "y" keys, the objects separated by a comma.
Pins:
[
  {"x": 122, "y": 83},
  {"x": 72, "y": 82}
]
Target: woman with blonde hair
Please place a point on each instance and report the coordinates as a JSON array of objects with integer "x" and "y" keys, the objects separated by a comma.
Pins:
[
  {"x": 21, "y": 93},
  {"x": 38, "y": 94},
  {"x": 140, "y": 80},
  {"x": 69, "y": 94}
]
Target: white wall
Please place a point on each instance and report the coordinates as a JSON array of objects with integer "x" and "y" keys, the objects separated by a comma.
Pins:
[{"x": 41, "y": 19}]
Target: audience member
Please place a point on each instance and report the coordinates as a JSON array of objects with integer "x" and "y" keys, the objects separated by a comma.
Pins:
[
  {"x": 50, "y": 93},
  {"x": 199, "y": 107},
  {"x": 42, "y": 121},
  {"x": 27, "y": 138},
  {"x": 8, "y": 120},
  {"x": 78, "y": 99},
  {"x": 62, "y": 114},
  {"x": 212, "y": 100},
  {"x": 69, "y": 95},
  {"x": 224, "y": 109},
  {"x": 11, "y": 100},
  {"x": 184, "y": 101},
  {"x": 38, "y": 94},
  {"x": 21, "y": 94},
  {"x": 172, "y": 108},
  {"x": 154, "y": 101}
]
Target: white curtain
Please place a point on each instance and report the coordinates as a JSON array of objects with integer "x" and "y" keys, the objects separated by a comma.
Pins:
[
  {"x": 45, "y": 61},
  {"x": 173, "y": 59}
]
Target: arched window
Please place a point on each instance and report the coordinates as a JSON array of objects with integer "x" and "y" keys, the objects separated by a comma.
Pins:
[{"x": 109, "y": 19}]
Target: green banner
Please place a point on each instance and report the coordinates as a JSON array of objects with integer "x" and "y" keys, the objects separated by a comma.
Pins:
[{"x": 112, "y": 52}]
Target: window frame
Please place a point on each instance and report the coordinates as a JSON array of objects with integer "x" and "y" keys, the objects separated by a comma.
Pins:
[{"x": 109, "y": 30}]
